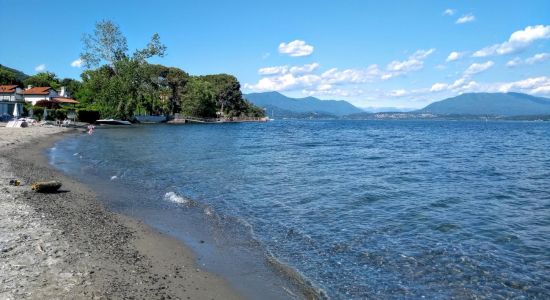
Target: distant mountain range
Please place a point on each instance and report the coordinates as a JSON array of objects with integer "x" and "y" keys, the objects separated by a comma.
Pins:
[
  {"x": 284, "y": 106},
  {"x": 470, "y": 104},
  {"x": 497, "y": 104}
]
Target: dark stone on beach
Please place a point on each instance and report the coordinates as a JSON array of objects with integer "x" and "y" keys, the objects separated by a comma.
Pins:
[{"x": 46, "y": 186}]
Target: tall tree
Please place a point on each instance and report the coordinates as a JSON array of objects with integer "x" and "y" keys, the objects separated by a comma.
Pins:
[{"x": 107, "y": 44}]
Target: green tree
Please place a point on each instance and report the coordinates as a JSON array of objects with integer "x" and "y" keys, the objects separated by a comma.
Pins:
[
  {"x": 43, "y": 79},
  {"x": 154, "y": 48},
  {"x": 229, "y": 97},
  {"x": 106, "y": 44},
  {"x": 126, "y": 83},
  {"x": 199, "y": 99},
  {"x": 177, "y": 81},
  {"x": 7, "y": 77},
  {"x": 73, "y": 86}
]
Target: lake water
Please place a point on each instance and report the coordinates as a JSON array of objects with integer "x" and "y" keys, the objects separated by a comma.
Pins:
[{"x": 362, "y": 209}]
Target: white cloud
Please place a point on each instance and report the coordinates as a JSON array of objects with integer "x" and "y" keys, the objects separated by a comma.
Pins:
[
  {"x": 422, "y": 54},
  {"x": 296, "y": 48},
  {"x": 40, "y": 68},
  {"x": 304, "y": 69},
  {"x": 334, "y": 92},
  {"x": 466, "y": 19},
  {"x": 280, "y": 70},
  {"x": 514, "y": 62},
  {"x": 518, "y": 41},
  {"x": 284, "y": 78},
  {"x": 449, "y": 12},
  {"x": 414, "y": 62},
  {"x": 476, "y": 68},
  {"x": 534, "y": 85},
  {"x": 273, "y": 70},
  {"x": 77, "y": 63},
  {"x": 437, "y": 87},
  {"x": 284, "y": 82},
  {"x": 266, "y": 55},
  {"x": 398, "y": 93},
  {"x": 537, "y": 58},
  {"x": 335, "y": 76},
  {"x": 454, "y": 56}
]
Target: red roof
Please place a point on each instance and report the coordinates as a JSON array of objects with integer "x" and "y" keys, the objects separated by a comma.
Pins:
[
  {"x": 39, "y": 90},
  {"x": 7, "y": 88},
  {"x": 64, "y": 100}
]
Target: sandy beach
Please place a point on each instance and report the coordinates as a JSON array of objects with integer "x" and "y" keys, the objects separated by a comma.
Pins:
[{"x": 67, "y": 246}]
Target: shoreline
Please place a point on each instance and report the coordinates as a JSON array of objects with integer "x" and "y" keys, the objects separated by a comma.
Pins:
[{"x": 67, "y": 245}]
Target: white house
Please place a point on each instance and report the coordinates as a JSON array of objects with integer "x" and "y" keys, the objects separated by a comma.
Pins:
[
  {"x": 35, "y": 94},
  {"x": 10, "y": 97}
]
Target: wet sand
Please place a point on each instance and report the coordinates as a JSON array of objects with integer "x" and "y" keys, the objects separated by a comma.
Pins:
[{"x": 68, "y": 246}]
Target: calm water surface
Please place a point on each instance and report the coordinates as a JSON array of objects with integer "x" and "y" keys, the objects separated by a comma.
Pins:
[{"x": 363, "y": 209}]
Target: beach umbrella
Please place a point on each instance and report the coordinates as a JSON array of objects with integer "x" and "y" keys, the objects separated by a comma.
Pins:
[
  {"x": 45, "y": 114},
  {"x": 16, "y": 111}
]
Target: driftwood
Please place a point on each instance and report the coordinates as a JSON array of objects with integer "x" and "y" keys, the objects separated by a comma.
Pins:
[{"x": 46, "y": 186}]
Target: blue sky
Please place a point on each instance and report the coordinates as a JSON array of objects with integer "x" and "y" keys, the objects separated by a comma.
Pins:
[{"x": 371, "y": 53}]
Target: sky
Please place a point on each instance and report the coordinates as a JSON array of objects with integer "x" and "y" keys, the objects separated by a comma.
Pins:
[{"x": 403, "y": 54}]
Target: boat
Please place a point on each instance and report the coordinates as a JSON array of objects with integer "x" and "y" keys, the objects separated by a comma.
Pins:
[{"x": 112, "y": 122}]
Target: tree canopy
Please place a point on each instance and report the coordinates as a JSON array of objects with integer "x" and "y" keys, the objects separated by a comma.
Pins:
[
  {"x": 7, "y": 77},
  {"x": 43, "y": 79},
  {"x": 106, "y": 44}
]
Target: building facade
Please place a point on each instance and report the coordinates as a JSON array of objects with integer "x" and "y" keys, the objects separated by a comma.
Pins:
[{"x": 10, "y": 100}]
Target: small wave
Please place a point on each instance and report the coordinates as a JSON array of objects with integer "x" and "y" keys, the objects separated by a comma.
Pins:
[
  {"x": 309, "y": 290},
  {"x": 175, "y": 198},
  {"x": 114, "y": 177}
]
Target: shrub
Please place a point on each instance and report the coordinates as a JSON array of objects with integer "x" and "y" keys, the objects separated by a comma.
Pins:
[
  {"x": 37, "y": 112},
  {"x": 59, "y": 114}
]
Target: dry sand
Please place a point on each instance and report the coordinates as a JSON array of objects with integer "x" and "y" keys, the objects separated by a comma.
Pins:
[{"x": 68, "y": 246}]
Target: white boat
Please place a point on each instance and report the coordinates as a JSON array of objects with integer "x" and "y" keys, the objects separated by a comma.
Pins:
[{"x": 112, "y": 122}]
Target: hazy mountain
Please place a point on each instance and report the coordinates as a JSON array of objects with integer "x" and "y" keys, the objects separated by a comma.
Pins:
[
  {"x": 275, "y": 112},
  {"x": 504, "y": 104},
  {"x": 308, "y": 105},
  {"x": 18, "y": 74}
]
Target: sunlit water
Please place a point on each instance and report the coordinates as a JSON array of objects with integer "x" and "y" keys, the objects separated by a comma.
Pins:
[{"x": 373, "y": 209}]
